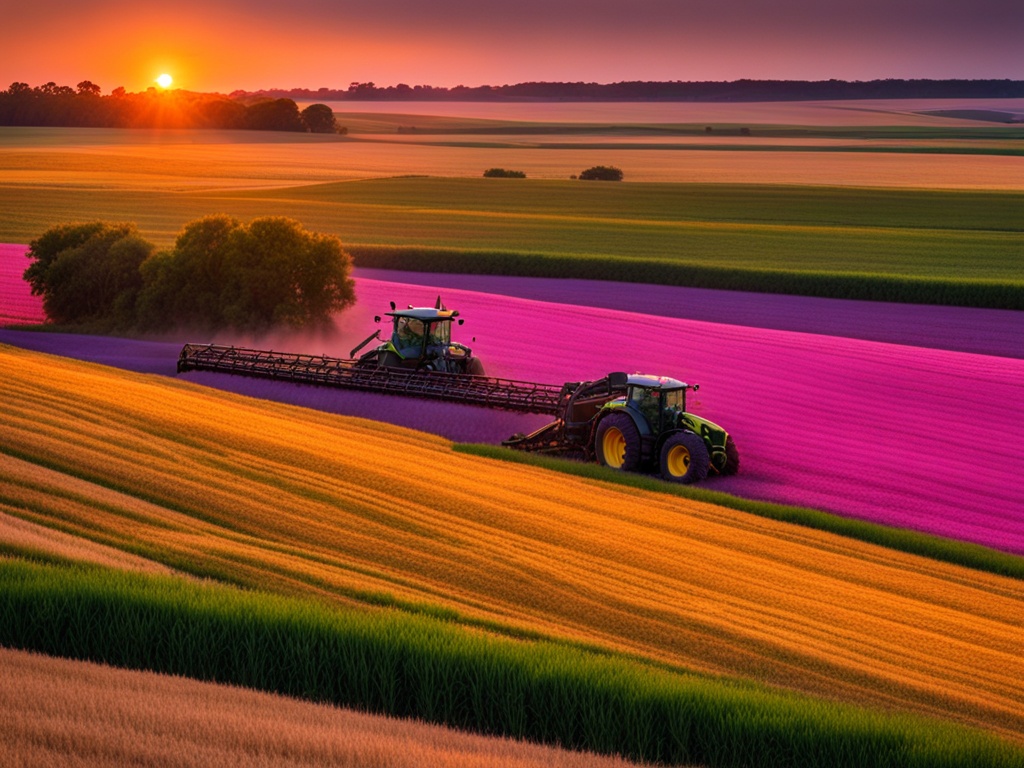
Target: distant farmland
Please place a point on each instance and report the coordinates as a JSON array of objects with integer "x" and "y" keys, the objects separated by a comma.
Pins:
[{"x": 928, "y": 228}]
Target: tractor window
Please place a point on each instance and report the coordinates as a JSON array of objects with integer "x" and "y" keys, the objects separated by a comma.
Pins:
[
  {"x": 674, "y": 399},
  {"x": 440, "y": 333},
  {"x": 409, "y": 331},
  {"x": 648, "y": 402}
]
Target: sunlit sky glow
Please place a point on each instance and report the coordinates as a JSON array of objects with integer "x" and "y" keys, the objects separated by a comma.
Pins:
[{"x": 224, "y": 45}]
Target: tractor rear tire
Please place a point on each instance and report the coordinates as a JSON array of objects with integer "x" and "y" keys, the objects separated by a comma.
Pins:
[
  {"x": 732, "y": 457},
  {"x": 617, "y": 442},
  {"x": 684, "y": 458}
]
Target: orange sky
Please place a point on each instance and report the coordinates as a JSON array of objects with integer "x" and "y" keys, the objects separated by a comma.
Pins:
[{"x": 223, "y": 45}]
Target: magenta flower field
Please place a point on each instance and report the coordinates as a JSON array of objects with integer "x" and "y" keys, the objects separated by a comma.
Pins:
[{"x": 911, "y": 436}]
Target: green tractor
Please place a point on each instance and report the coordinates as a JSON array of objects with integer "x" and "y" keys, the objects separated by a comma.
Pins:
[
  {"x": 635, "y": 422},
  {"x": 421, "y": 339}
]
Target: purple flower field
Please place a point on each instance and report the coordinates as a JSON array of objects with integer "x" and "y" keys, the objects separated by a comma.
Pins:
[{"x": 894, "y": 432}]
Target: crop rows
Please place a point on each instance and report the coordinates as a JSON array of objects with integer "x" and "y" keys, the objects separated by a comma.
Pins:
[
  {"x": 993, "y": 294},
  {"x": 426, "y": 669},
  {"x": 917, "y": 245},
  {"x": 355, "y": 512}
]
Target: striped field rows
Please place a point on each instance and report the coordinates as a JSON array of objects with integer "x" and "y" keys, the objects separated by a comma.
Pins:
[{"x": 357, "y": 512}]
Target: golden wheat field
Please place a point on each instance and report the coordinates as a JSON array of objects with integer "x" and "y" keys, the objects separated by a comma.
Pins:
[
  {"x": 75, "y": 713},
  {"x": 197, "y": 160},
  {"x": 354, "y": 511}
]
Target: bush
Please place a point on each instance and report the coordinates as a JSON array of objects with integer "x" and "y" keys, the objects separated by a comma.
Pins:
[
  {"x": 501, "y": 173},
  {"x": 220, "y": 274},
  {"x": 88, "y": 273},
  {"x": 602, "y": 173},
  {"x": 223, "y": 273}
]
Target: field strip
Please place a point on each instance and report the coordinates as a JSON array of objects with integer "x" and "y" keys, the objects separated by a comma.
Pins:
[
  {"x": 963, "y": 329},
  {"x": 57, "y": 710},
  {"x": 307, "y": 160},
  {"x": 874, "y": 416},
  {"x": 19, "y": 535},
  {"x": 306, "y": 503},
  {"x": 683, "y": 227}
]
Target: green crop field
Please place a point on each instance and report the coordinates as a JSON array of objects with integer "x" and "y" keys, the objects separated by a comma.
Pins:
[{"x": 884, "y": 241}]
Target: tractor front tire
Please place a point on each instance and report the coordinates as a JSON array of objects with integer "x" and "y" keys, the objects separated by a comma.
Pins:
[
  {"x": 684, "y": 458},
  {"x": 617, "y": 442},
  {"x": 474, "y": 367}
]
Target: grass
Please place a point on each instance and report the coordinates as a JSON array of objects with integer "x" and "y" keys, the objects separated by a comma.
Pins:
[
  {"x": 411, "y": 667},
  {"x": 57, "y": 709},
  {"x": 898, "y": 245},
  {"x": 901, "y": 539},
  {"x": 358, "y": 514}
]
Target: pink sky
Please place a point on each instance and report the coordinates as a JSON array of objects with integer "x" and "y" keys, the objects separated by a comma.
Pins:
[{"x": 223, "y": 45}]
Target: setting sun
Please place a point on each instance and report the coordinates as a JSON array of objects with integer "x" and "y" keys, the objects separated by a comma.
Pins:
[{"x": 164, "y": 81}]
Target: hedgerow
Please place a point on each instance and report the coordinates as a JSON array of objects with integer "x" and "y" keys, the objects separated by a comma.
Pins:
[{"x": 994, "y": 294}]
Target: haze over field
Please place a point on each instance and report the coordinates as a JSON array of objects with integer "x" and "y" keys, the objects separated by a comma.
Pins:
[{"x": 229, "y": 44}]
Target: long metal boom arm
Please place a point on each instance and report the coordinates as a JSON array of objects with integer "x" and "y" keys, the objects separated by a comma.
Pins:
[{"x": 487, "y": 391}]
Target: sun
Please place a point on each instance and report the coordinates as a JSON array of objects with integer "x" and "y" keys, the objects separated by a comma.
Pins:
[{"x": 164, "y": 81}]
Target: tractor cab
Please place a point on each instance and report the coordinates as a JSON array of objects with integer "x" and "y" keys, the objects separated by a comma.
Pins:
[
  {"x": 417, "y": 331},
  {"x": 421, "y": 338},
  {"x": 659, "y": 399}
]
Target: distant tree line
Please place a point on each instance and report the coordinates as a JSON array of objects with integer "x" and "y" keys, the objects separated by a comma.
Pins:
[
  {"x": 738, "y": 90},
  {"x": 601, "y": 173},
  {"x": 503, "y": 173},
  {"x": 220, "y": 274},
  {"x": 60, "y": 105}
]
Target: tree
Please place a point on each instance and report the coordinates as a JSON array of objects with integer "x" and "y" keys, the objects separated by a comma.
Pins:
[
  {"x": 602, "y": 173},
  {"x": 88, "y": 88},
  {"x": 501, "y": 173},
  {"x": 88, "y": 273},
  {"x": 274, "y": 115},
  {"x": 282, "y": 274},
  {"x": 222, "y": 273},
  {"x": 185, "y": 287},
  {"x": 319, "y": 118}
]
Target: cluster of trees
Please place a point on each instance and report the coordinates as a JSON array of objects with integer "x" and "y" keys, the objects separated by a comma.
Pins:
[
  {"x": 61, "y": 105},
  {"x": 502, "y": 173},
  {"x": 597, "y": 173},
  {"x": 738, "y": 90},
  {"x": 220, "y": 274},
  {"x": 601, "y": 173}
]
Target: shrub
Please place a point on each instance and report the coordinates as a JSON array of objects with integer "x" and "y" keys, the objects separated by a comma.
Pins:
[
  {"x": 88, "y": 273},
  {"x": 501, "y": 173},
  {"x": 602, "y": 173},
  {"x": 223, "y": 273},
  {"x": 220, "y": 274}
]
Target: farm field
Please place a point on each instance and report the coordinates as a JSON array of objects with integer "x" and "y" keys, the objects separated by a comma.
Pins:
[
  {"x": 301, "y": 503},
  {"x": 867, "y": 409},
  {"x": 826, "y": 214}
]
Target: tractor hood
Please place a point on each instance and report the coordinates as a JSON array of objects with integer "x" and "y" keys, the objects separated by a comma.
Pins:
[{"x": 714, "y": 436}]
